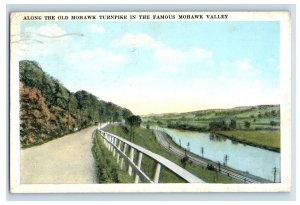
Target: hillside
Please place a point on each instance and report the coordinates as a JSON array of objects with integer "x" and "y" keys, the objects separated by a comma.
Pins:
[
  {"x": 260, "y": 117},
  {"x": 253, "y": 125},
  {"x": 49, "y": 110}
]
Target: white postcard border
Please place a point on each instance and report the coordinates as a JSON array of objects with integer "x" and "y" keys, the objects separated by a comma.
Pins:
[{"x": 285, "y": 81}]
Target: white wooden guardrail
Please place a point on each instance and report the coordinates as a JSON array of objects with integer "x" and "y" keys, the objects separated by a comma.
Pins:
[{"x": 119, "y": 147}]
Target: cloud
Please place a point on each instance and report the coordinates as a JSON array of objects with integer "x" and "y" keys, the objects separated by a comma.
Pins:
[
  {"x": 177, "y": 56},
  {"x": 169, "y": 59},
  {"x": 240, "y": 68},
  {"x": 244, "y": 64},
  {"x": 86, "y": 69},
  {"x": 176, "y": 60},
  {"x": 140, "y": 40},
  {"x": 48, "y": 31},
  {"x": 171, "y": 69},
  {"x": 200, "y": 54},
  {"x": 98, "y": 59},
  {"x": 97, "y": 29},
  {"x": 34, "y": 42},
  {"x": 169, "y": 56}
]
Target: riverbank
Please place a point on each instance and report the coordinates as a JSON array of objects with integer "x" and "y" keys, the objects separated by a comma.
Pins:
[
  {"x": 204, "y": 162},
  {"x": 189, "y": 153},
  {"x": 146, "y": 138},
  {"x": 265, "y": 139},
  {"x": 269, "y": 140}
]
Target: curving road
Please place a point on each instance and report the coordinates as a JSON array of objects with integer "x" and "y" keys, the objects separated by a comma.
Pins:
[{"x": 66, "y": 160}]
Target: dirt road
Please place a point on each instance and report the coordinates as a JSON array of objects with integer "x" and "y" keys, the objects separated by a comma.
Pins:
[{"x": 67, "y": 160}]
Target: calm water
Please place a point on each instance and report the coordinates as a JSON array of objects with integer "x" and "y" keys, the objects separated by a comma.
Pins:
[{"x": 256, "y": 161}]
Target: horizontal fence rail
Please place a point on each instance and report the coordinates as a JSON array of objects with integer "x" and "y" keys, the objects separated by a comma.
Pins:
[{"x": 119, "y": 147}]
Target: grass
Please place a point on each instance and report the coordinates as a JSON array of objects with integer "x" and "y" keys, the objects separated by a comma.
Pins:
[
  {"x": 266, "y": 139},
  {"x": 147, "y": 139},
  {"x": 108, "y": 171},
  {"x": 259, "y": 117},
  {"x": 260, "y": 133}
]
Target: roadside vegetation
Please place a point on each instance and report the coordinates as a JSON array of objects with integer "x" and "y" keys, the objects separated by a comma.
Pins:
[
  {"x": 146, "y": 138},
  {"x": 254, "y": 125},
  {"x": 107, "y": 169},
  {"x": 48, "y": 110}
]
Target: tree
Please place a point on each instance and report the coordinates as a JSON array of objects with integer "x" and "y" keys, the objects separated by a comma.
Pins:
[
  {"x": 52, "y": 110},
  {"x": 133, "y": 121},
  {"x": 273, "y": 123},
  {"x": 247, "y": 124},
  {"x": 273, "y": 113},
  {"x": 116, "y": 115},
  {"x": 218, "y": 125},
  {"x": 232, "y": 124},
  {"x": 126, "y": 113},
  {"x": 184, "y": 161}
]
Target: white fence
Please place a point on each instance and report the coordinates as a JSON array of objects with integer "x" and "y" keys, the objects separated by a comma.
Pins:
[{"x": 119, "y": 147}]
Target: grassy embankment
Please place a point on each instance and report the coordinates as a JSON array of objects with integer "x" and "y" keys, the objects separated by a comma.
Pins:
[
  {"x": 266, "y": 139},
  {"x": 108, "y": 171},
  {"x": 191, "y": 154},
  {"x": 146, "y": 139},
  {"x": 48, "y": 110},
  {"x": 263, "y": 130}
]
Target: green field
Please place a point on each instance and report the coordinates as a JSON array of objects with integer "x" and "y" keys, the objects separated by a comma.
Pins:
[
  {"x": 146, "y": 139},
  {"x": 255, "y": 125},
  {"x": 267, "y": 139}
]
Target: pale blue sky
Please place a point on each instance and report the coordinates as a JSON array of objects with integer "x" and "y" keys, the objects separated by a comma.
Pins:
[{"x": 154, "y": 67}]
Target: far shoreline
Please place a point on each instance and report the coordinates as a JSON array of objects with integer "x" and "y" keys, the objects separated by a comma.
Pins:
[{"x": 273, "y": 149}]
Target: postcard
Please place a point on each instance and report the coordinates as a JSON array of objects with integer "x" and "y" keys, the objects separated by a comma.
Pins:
[{"x": 150, "y": 102}]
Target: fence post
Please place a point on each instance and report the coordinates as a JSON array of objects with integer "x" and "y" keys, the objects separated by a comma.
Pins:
[
  {"x": 137, "y": 177},
  {"x": 110, "y": 140},
  {"x": 118, "y": 154},
  {"x": 124, "y": 151},
  {"x": 157, "y": 173},
  {"x": 114, "y": 143},
  {"x": 131, "y": 154},
  {"x": 106, "y": 141}
]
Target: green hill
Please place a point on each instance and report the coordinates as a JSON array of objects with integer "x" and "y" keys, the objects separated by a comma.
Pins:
[
  {"x": 49, "y": 110},
  {"x": 253, "y": 125},
  {"x": 260, "y": 117}
]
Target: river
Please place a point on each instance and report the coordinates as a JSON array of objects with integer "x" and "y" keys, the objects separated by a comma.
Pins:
[{"x": 254, "y": 160}]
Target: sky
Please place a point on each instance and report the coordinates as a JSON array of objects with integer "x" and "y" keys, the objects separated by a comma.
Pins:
[{"x": 160, "y": 67}]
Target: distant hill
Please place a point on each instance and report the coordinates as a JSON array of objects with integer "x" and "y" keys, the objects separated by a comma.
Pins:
[
  {"x": 232, "y": 110},
  {"x": 256, "y": 106},
  {"x": 49, "y": 110},
  {"x": 259, "y": 117}
]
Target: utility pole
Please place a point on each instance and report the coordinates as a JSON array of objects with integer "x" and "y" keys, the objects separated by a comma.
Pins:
[
  {"x": 226, "y": 158},
  {"x": 219, "y": 166},
  {"x": 274, "y": 172}
]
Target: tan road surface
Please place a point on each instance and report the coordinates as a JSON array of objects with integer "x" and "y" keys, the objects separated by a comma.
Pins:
[{"x": 65, "y": 160}]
